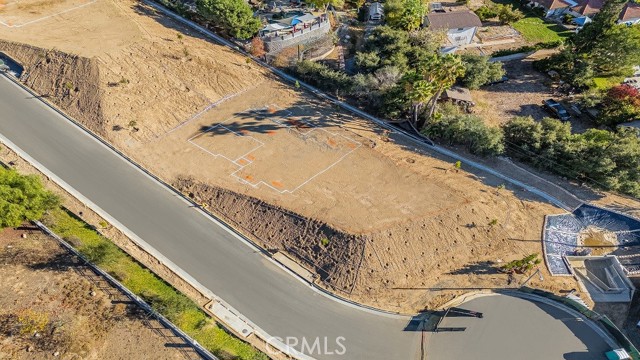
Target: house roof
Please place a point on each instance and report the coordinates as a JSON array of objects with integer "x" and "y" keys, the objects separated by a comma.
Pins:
[
  {"x": 305, "y": 19},
  {"x": 275, "y": 27},
  {"x": 458, "y": 93},
  {"x": 556, "y": 4},
  {"x": 375, "y": 8},
  {"x": 588, "y": 7},
  {"x": 630, "y": 11},
  {"x": 453, "y": 20},
  {"x": 631, "y": 124}
]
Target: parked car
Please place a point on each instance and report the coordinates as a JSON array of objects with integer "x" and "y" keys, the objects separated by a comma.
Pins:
[
  {"x": 556, "y": 109},
  {"x": 503, "y": 79}
]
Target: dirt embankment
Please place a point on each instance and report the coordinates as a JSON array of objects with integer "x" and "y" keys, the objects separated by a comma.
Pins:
[
  {"x": 404, "y": 268},
  {"x": 68, "y": 81},
  {"x": 330, "y": 253}
]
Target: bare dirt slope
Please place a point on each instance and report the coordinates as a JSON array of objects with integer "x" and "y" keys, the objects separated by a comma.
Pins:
[
  {"x": 53, "y": 306},
  {"x": 379, "y": 221},
  {"x": 71, "y": 82}
]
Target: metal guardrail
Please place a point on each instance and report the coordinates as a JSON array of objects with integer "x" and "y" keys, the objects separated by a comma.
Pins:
[{"x": 135, "y": 298}]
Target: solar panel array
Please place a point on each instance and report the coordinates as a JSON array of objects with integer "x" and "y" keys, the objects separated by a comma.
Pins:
[{"x": 560, "y": 236}]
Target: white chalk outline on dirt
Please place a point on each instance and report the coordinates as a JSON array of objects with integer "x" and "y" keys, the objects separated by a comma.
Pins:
[
  {"x": 248, "y": 162},
  {"x": 45, "y": 17}
]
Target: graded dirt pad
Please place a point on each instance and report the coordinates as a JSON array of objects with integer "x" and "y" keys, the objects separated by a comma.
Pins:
[
  {"x": 379, "y": 221},
  {"x": 23, "y": 12},
  {"x": 51, "y": 303}
]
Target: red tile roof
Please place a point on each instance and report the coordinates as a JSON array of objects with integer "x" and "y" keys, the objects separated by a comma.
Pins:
[
  {"x": 588, "y": 7},
  {"x": 554, "y": 4},
  {"x": 630, "y": 11}
]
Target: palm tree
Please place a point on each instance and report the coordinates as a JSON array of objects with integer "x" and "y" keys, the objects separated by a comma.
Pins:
[
  {"x": 428, "y": 81},
  {"x": 419, "y": 91},
  {"x": 446, "y": 70}
]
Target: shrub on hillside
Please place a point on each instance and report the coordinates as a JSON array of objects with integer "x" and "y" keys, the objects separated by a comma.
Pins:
[
  {"x": 454, "y": 127},
  {"x": 323, "y": 77},
  {"x": 22, "y": 198},
  {"x": 606, "y": 159}
]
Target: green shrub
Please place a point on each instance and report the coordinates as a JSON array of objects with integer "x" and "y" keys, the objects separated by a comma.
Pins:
[
  {"x": 479, "y": 71},
  {"x": 22, "y": 198},
  {"x": 486, "y": 12},
  {"x": 608, "y": 160},
  {"x": 323, "y": 77},
  {"x": 454, "y": 127}
]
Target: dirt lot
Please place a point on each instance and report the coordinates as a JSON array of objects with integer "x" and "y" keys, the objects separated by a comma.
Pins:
[
  {"x": 378, "y": 221},
  {"x": 522, "y": 95},
  {"x": 54, "y": 307}
]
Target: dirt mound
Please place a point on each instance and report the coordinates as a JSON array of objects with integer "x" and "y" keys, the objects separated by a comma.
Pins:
[
  {"x": 328, "y": 252},
  {"x": 69, "y": 81}
]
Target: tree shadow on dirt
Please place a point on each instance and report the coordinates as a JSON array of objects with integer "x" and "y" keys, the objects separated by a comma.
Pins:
[
  {"x": 477, "y": 268},
  {"x": 59, "y": 262}
]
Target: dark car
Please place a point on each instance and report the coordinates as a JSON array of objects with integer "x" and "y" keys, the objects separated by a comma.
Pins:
[
  {"x": 503, "y": 79},
  {"x": 556, "y": 109}
]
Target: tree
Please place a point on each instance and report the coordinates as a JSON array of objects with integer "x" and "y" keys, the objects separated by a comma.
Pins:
[
  {"x": 385, "y": 46},
  {"x": 443, "y": 71},
  {"x": 425, "y": 83},
  {"x": 479, "y": 71},
  {"x": 419, "y": 91},
  {"x": 22, "y": 198},
  {"x": 404, "y": 14},
  {"x": 606, "y": 159},
  {"x": 234, "y": 16},
  {"x": 486, "y": 12},
  {"x": 508, "y": 15},
  {"x": 521, "y": 266},
  {"x": 620, "y": 104},
  {"x": 455, "y": 127},
  {"x": 601, "y": 48},
  {"x": 257, "y": 47},
  {"x": 324, "y": 4}
]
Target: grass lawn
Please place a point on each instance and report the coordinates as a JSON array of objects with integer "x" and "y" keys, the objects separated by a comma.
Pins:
[
  {"x": 535, "y": 30},
  {"x": 175, "y": 306},
  {"x": 604, "y": 83}
]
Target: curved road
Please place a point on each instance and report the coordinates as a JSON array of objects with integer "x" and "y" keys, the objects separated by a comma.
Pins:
[
  {"x": 242, "y": 277},
  {"x": 515, "y": 328}
]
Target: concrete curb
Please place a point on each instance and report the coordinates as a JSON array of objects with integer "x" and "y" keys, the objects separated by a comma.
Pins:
[{"x": 141, "y": 303}]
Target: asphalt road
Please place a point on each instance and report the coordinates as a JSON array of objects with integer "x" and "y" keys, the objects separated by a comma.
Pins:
[
  {"x": 514, "y": 328},
  {"x": 265, "y": 294}
]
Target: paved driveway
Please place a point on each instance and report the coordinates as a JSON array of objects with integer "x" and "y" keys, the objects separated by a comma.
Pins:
[{"x": 514, "y": 329}]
